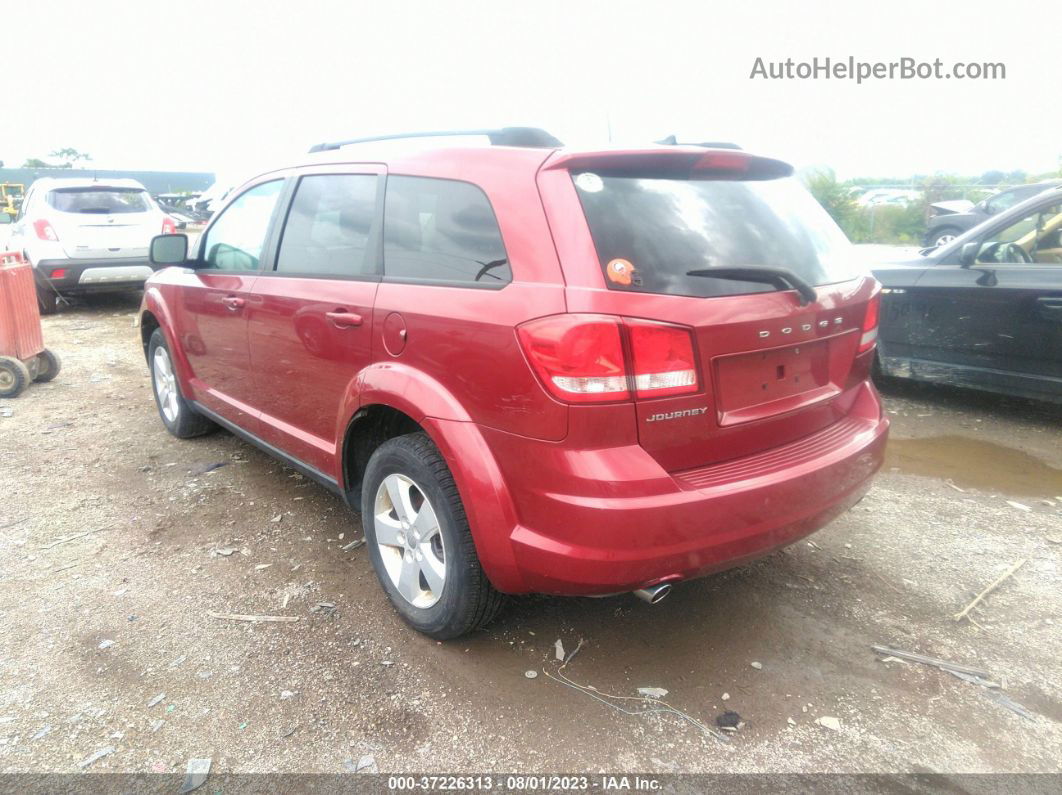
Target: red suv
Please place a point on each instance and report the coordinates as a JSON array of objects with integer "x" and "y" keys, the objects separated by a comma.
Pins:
[{"x": 532, "y": 369}]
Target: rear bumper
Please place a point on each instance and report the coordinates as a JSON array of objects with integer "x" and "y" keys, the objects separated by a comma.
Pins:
[
  {"x": 94, "y": 275},
  {"x": 653, "y": 526}
]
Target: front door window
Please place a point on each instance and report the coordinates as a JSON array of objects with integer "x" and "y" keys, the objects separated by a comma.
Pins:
[
  {"x": 235, "y": 241},
  {"x": 1034, "y": 238}
]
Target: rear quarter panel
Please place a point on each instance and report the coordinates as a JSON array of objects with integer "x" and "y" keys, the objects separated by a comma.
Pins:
[{"x": 461, "y": 338}]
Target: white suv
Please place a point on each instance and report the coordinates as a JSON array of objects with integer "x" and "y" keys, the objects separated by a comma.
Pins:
[{"x": 84, "y": 235}]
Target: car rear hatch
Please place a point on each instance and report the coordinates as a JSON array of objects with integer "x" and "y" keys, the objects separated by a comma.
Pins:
[
  {"x": 698, "y": 254},
  {"x": 103, "y": 222}
]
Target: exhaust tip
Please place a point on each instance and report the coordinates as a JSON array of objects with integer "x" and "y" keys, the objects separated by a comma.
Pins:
[{"x": 654, "y": 594}]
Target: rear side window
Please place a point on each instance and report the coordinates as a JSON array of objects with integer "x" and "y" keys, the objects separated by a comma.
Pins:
[
  {"x": 649, "y": 232},
  {"x": 327, "y": 231},
  {"x": 439, "y": 230},
  {"x": 105, "y": 201}
]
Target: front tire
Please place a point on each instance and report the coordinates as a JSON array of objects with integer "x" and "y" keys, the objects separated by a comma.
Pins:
[
  {"x": 176, "y": 414},
  {"x": 420, "y": 543}
]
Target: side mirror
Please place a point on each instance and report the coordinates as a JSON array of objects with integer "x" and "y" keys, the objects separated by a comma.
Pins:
[
  {"x": 968, "y": 255},
  {"x": 169, "y": 250}
]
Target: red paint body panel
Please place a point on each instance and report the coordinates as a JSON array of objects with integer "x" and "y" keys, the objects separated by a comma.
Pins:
[
  {"x": 602, "y": 521},
  {"x": 213, "y": 335},
  {"x": 493, "y": 385},
  {"x": 20, "y": 318},
  {"x": 303, "y": 363},
  {"x": 783, "y": 433}
]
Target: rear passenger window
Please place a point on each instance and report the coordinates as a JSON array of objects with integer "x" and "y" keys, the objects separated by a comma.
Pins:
[
  {"x": 327, "y": 231},
  {"x": 440, "y": 230}
]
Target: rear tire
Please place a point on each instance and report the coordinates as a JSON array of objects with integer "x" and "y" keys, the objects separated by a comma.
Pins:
[
  {"x": 14, "y": 377},
  {"x": 176, "y": 413},
  {"x": 420, "y": 543},
  {"x": 47, "y": 300},
  {"x": 944, "y": 235},
  {"x": 48, "y": 366}
]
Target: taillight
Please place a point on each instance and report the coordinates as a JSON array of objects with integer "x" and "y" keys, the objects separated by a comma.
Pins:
[
  {"x": 578, "y": 357},
  {"x": 57, "y": 273},
  {"x": 662, "y": 356},
  {"x": 581, "y": 358},
  {"x": 723, "y": 161},
  {"x": 44, "y": 230},
  {"x": 168, "y": 226},
  {"x": 870, "y": 325}
]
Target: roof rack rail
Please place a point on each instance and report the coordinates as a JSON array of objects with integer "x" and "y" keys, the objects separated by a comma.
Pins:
[
  {"x": 504, "y": 136},
  {"x": 672, "y": 141}
]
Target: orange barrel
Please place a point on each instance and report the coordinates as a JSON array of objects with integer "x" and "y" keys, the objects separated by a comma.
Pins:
[{"x": 20, "y": 318}]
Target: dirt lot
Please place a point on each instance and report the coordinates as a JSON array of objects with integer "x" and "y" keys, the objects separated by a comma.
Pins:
[{"x": 108, "y": 641}]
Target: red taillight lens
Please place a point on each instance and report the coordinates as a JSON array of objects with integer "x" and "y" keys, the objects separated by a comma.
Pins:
[
  {"x": 44, "y": 230},
  {"x": 578, "y": 357},
  {"x": 168, "y": 226},
  {"x": 581, "y": 359},
  {"x": 663, "y": 359},
  {"x": 870, "y": 325},
  {"x": 58, "y": 273}
]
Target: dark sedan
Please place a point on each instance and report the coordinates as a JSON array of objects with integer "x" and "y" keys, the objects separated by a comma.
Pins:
[
  {"x": 984, "y": 310},
  {"x": 946, "y": 224}
]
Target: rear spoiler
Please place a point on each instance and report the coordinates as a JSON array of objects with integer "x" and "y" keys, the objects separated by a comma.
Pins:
[
  {"x": 677, "y": 161},
  {"x": 671, "y": 140}
]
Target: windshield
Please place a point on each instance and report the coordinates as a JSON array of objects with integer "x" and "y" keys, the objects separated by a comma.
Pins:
[
  {"x": 650, "y": 232},
  {"x": 99, "y": 200}
]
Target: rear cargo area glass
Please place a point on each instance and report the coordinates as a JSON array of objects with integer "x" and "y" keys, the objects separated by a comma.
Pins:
[
  {"x": 99, "y": 200},
  {"x": 650, "y": 231}
]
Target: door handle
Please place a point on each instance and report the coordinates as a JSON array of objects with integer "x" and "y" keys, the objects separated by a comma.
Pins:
[
  {"x": 343, "y": 319},
  {"x": 232, "y": 302},
  {"x": 1050, "y": 308}
]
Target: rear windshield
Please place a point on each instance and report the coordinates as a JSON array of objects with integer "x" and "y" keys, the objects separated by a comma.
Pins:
[
  {"x": 99, "y": 200},
  {"x": 650, "y": 231}
]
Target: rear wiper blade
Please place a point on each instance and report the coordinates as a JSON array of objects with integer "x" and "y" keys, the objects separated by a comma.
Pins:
[
  {"x": 782, "y": 278},
  {"x": 488, "y": 266}
]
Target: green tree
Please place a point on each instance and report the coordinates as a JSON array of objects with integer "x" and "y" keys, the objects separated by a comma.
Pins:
[
  {"x": 70, "y": 156},
  {"x": 836, "y": 198},
  {"x": 35, "y": 163}
]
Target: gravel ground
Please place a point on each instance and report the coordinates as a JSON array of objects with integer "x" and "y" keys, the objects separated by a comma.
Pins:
[{"x": 117, "y": 542}]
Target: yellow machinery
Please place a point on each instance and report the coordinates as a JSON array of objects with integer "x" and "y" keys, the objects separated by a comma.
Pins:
[{"x": 11, "y": 194}]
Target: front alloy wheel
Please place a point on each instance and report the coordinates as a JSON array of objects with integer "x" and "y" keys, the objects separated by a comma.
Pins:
[
  {"x": 176, "y": 414},
  {"x": 165, "y": 386},
  {"x": 411, "y": 545}
]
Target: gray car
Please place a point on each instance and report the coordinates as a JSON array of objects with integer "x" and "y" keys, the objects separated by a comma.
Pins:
[{"x": 948, "y": 224}]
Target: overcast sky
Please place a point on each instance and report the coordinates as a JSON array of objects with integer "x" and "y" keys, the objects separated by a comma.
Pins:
[{"x": 223, "y": 86}]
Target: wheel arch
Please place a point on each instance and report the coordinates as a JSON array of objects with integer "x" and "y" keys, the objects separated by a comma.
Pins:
[
  {"x": 370, "y": 427},
  {"x": 486, "y": 498},
  {"x": 384, "y": 400},
  {"x": 155, "y": 314}
]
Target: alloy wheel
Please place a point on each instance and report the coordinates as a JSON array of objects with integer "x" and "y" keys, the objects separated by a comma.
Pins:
[
  {"x": 165, "y": 385},
  {"x": 410, "y": 540}
]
